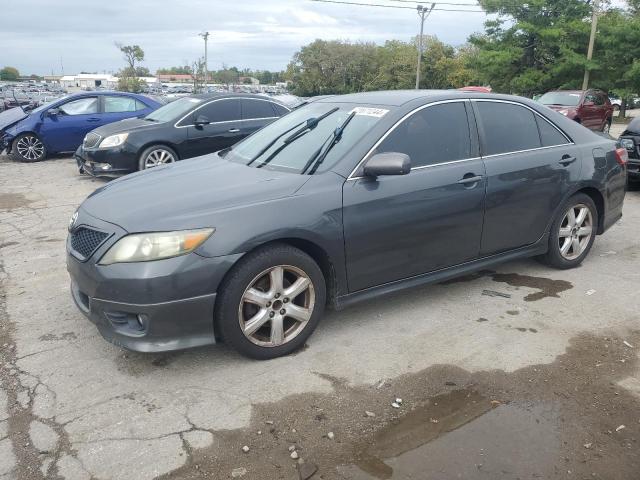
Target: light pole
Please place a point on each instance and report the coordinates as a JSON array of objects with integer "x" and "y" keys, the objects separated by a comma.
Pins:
[
  {"x": 592, "y": 40},
  {"x": 205, "y": 35},
  {"x": 423, "y": 12}
]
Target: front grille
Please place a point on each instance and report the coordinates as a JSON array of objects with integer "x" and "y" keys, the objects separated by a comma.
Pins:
[
  {"x": 85, "y": 240},
  {"x": 91, "y": 140}
]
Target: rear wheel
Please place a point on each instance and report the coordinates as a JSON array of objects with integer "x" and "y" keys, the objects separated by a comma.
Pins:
[
  {"x": 607, "y": 126},
  {"x": 572, "y": 233},
  {"x": 156, "y": 155},
  {"x": 271, "y": 302},
  {"x": 27, "y": 147}
]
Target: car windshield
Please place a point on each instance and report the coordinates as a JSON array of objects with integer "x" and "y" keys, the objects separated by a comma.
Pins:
[
  {"x": 560, "y": 98},
  {"x": 173, "y": 110},
  {"x": 277, "y": 146}
]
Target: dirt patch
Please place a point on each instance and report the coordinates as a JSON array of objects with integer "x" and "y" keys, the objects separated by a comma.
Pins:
[
  {"x": 484, "y": 419},
  {"x": 11, "y": 201}
]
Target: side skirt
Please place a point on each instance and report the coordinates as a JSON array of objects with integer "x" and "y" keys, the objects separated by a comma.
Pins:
[{"x": 538, "y": 248}]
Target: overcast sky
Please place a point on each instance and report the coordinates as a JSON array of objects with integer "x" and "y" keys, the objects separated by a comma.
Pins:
[{"x": 260, "y": 34}]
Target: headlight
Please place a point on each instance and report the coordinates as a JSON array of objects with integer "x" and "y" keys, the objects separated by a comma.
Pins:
[
  {"x": 113, "y": 140},
  {"x": 144, "y": 247},
  {"x": 627, "y": 143}
]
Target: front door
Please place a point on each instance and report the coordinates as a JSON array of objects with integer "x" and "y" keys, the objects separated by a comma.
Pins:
[
  {"x": 530, "y": 166},
  {"x": 64, "y": 131},
  {"x": 222, "y": 131},
  {"x": 396, "y": 227}
]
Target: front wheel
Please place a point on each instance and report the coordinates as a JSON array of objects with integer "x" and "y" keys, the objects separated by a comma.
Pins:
[
  {"x": 27, "y": 147},
  {"x": 271, "y": 302},
  {"x": 572, "y": 233},
  {"x": 606, "y": 128},
  {"x": 156, "y": 155}
]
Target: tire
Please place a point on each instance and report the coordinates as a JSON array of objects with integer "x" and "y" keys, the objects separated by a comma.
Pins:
[
  {"x": 562, "y": 232},
  {"x": 27, "y": 147},
  {"x": 156, "y": 155},
  {"x": 616, "y": 108},
  {"x": 250, "y": 293},
  {"x": 606, "y": 128}
]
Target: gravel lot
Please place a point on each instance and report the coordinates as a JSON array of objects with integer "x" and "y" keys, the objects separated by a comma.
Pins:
[{"x": 541, "y": 381}]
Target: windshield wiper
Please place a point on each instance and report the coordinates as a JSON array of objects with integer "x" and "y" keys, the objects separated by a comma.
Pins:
[
  {"x": 305, "y": 126},
  {"x": 319, "y": 155}
]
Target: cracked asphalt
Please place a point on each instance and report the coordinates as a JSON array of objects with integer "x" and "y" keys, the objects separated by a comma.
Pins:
[{"x": 522, "y": 350}]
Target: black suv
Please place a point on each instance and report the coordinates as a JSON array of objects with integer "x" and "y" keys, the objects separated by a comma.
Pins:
[
  {"x": 188, "y": 127},
  {"x": 630, "y": 139}
]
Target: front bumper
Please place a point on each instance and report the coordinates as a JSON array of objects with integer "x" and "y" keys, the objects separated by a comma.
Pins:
[
  {"x": 153, "y": 306},
  {"x": 106, "y": 163}
]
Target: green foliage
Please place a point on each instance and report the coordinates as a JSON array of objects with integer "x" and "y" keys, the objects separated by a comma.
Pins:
[
  {"x": 130, "y": 84},
  {"x": 335, "y": 67},
  {"x": 184, "y": 70},
  {"x": 9, "y": 74}
]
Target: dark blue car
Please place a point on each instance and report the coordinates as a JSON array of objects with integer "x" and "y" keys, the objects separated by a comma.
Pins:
[{"x": 61, "y": 125}]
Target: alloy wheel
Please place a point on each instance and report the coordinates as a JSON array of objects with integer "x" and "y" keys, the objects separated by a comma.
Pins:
[
  {"x": 30, "y": 147},
  {"x": 276, "y": 306},
  {"x": 576, "y": 230},
  {"x": 606, "y": 128},
  {"x": 158, "y": 157}
]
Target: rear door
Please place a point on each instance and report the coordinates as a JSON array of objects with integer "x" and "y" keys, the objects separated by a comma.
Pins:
[
  {"x": 119, "y": 107},
  {"x": 396, "y": 227},
  {"x": 65, "y": 131},
  {"x": 530, "y": 166},
  {"x": 256, "y": 113},
  {"x": 222, "y": 131}
]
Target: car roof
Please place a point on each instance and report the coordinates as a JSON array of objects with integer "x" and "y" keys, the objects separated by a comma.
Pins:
[
  {"x": 207, "y": 96},
  {"x": 396, "y": 98}
]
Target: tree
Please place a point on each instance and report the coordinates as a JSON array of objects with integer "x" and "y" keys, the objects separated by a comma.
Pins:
[
  {"x": 9, "y": 74},
  {"x": 128, "y": 77},
  {"x": 197, "y": 71},
  {"x": 533, "y": 46}
]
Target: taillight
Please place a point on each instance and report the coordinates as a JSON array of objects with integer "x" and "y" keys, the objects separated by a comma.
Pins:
[{"x": 622, "y": 157}]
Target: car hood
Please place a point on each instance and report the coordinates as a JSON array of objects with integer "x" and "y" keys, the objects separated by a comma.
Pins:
[
  {"x": 560, "y": 107},
  {"x": 126, "y": 125},
  {"x": 11, "y": 116},
  {"x": 187, "y": 194},
  {"x": 633, "y": 128}
]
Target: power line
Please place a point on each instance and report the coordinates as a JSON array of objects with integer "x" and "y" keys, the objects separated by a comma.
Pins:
[
  {"x": 474, "y": 4},
  {"x": 395, "y": 6}
]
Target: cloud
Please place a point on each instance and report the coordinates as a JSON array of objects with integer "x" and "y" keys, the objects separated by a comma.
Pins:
[{"x": 248, "y": 33}]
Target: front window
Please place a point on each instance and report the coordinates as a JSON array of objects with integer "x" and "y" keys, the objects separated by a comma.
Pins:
[
  {"x": 566, "y": 99},
  {"x": 269, "y": 148},
  {"x": 173, "y": 110},
  {"x": 82, "y": 106}
]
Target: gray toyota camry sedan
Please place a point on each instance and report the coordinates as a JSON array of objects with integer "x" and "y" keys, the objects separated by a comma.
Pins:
[{"x": 342, "y": 200}]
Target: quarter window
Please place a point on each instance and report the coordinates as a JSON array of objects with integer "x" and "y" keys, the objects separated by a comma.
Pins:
[
  {"x": 280, "y": 110},
  {"x": 82, "y": 106},
  {"x": 433, "y": 135},
  {"x": 549, "y": 134},
  {"x": 257, "y": 109},
  {"x": 507, "y": 128},
  {"x": 221, "y": 111}
]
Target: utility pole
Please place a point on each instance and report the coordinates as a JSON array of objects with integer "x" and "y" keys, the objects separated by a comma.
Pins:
[
  {"x": 423, "y": 13},
  {"x": 205, "y": 35},
  {"x": 592, "y": 41}
]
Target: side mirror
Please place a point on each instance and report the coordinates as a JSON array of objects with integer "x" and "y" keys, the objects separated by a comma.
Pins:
[
  {"x": 391, "y": 163},
  {"x": 201, "y": 120},
  {"x": 53, "y": 112}
]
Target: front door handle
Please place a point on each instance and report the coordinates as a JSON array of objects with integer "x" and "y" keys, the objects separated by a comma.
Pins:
[
  {"x": 93, "y": 119},
  {"x": 466, "y": 180},
  {"x": 567, "y": 160},
  {"x": 233, "y": 130}
]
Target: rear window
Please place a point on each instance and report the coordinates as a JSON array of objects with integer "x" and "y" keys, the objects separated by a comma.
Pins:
[
  {"x": 507, "y": 128},
  {"x": 257, "y": 109}
]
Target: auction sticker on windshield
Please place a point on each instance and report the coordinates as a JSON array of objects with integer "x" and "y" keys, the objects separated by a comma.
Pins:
[{"x": 370, "y": 112}]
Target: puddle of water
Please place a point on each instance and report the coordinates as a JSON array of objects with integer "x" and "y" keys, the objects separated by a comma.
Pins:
[
  {"x": 10, "y": 201},
  {"x": 459, "y": 435},
  {"x": 546, "y": 287}
]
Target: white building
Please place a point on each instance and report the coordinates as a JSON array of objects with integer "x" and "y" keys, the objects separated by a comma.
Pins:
[{"x": 91, "y": 81}]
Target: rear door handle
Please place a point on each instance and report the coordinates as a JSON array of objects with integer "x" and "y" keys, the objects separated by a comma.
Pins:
[
  {"x": 234, "y": 130},
  {"x": 467, "y": 180},
  {"x": 567, "y": 160},
  {"x": 93, "y": 119}
]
